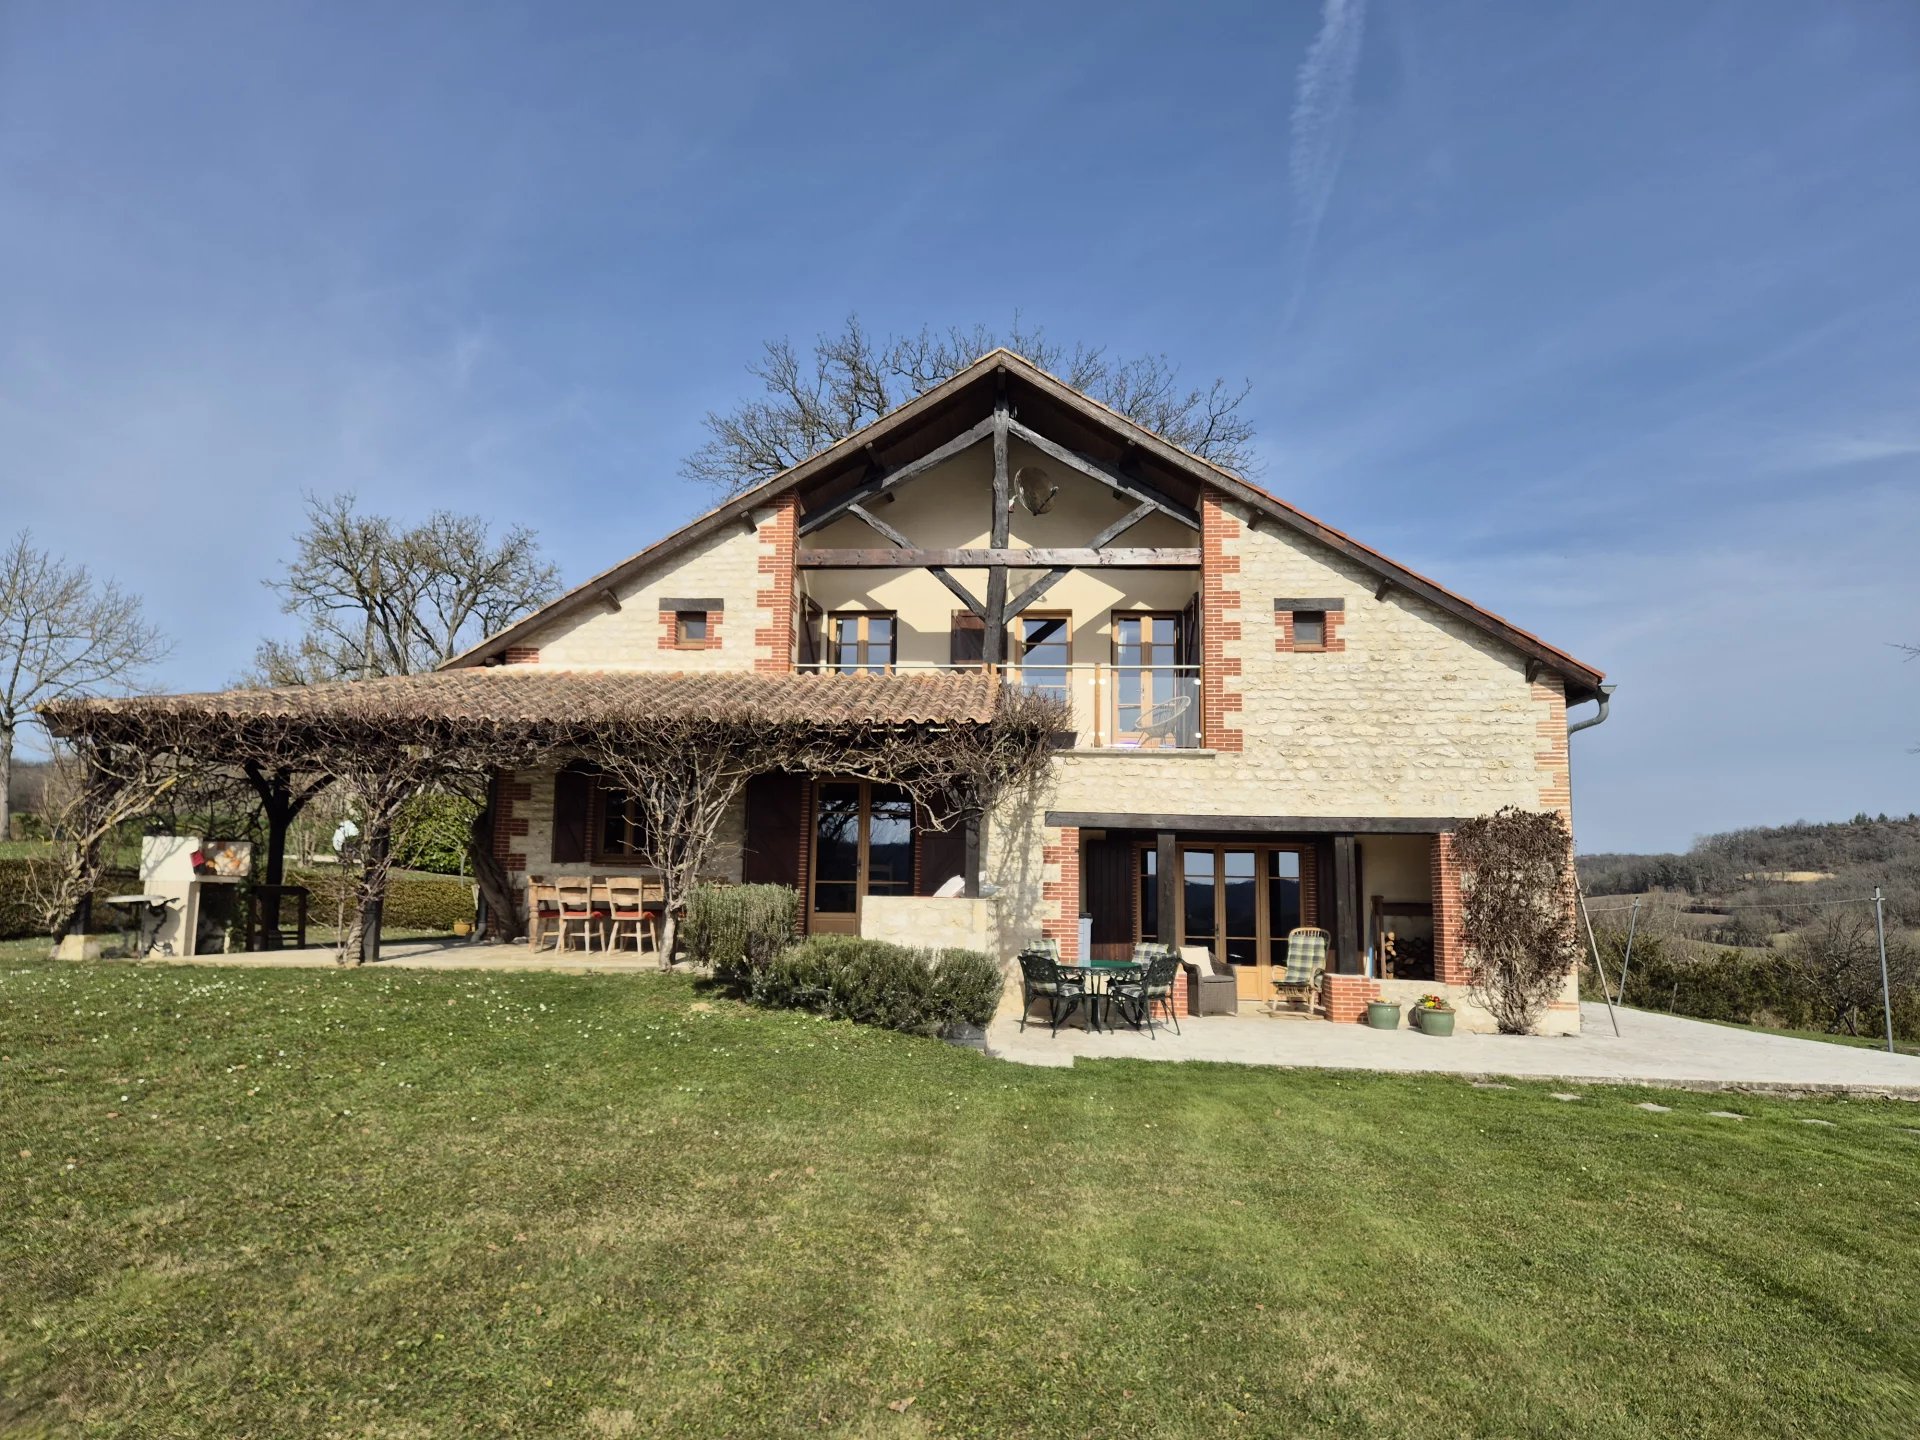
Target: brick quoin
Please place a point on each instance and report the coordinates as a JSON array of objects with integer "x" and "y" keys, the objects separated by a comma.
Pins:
[
  {"x": 523, "y": 655},
  {"x": 1345, "y": 996},
  {"x": 509, "y": 823},
  {"x": 669, "y": 631},
  {"x": 1550, "y": 749},
  {"x": 773, "y": 645},
  {"x": 1063, "y": 893},
  {"x": 1219, "y": 594},
  {"x": 1449, "y": 952},
  {"x": 1283, "y": 634}
]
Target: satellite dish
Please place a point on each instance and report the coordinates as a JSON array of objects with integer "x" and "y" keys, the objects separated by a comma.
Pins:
[{"x": 1035, "y": 489}]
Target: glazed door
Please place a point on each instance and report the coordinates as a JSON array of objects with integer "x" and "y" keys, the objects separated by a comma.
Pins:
[
  {"x": 862, "y": 845},
  {"x": 1241, "y": 904}
]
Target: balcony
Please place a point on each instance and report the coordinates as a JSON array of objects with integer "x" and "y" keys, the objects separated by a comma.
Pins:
[{"x": 1112, "y": 707}]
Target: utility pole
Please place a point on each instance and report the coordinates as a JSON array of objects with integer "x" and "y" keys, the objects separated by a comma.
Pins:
[{"x": 1886, "y": 990}]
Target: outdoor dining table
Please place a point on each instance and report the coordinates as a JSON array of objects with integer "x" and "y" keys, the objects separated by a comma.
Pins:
[
  {"x": 543, "y": 897},
  {"x": 1096, "y": 977}
]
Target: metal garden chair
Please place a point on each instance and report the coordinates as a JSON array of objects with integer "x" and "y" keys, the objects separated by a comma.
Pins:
[
  {"x": 1139, "y": 995},
  {"x": 1041, "y": 975}
]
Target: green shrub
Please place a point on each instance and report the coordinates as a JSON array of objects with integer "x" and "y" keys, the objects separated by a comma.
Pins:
[
  {"x": 414, "y": 901},
  {"x": 20, "y": 884},
  {"x": 872, "y": 982},
  {"x": 737, "y": 930},
  {"x": 432, "y": 832}
]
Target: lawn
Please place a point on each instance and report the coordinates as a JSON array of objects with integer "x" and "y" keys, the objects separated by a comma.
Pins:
[{"x": 397, "y": 1203}]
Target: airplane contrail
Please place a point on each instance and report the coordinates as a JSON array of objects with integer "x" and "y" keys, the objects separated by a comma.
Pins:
[{"x": 1322, "y": 116}]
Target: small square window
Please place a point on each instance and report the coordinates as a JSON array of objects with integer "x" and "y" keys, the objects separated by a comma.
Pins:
[
  {"x": 690, "y": 628},
  {"x": 1309, "y": 629}
]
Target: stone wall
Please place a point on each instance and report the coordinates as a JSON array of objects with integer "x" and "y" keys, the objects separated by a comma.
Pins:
[{"x": 926, "y": 922}]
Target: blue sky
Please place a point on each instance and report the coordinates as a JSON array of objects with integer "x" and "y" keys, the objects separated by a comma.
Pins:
[{"x": 1606, "y": 315}]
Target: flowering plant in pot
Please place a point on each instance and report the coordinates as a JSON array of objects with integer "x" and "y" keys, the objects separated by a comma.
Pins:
[{"x": 1433, "y": 1015}]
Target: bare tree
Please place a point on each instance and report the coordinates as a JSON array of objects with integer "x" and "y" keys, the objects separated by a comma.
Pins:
[
  {"x": 61, "y": 635},
  {"x": 1516, "y": 911},
  {"x": 854, "y": 377},
  {"x": 1837, "y": 959},
  {"x": 382, "y": 599}
]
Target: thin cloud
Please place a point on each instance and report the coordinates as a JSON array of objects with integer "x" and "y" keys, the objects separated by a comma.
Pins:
[{"x": 1323, "y": 116}]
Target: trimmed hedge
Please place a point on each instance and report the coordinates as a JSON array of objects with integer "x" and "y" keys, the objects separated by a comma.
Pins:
[
  {"x": 415, "y": 900},
  {"x": 736, "y": 931},
  {"x": 20, "y": 912},
  {"x": 871, "y": 982}
]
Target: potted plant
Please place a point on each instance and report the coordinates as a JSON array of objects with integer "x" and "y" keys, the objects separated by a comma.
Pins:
[
  {"x": 1383, "y": 1014},
  {"x": 1433, "y": 1015}
]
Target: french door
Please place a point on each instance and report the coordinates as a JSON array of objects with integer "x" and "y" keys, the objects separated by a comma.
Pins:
[
  {"x": 862, "y": 845},
  {"x": 1240, "y": 902}
]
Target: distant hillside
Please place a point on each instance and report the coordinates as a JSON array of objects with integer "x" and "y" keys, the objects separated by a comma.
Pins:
[{"x": 1780, "y": 867}]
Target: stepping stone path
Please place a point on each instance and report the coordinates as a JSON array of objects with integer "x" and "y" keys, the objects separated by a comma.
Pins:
[
  {"x": 1827, "y": 1123},
  {"x": 1726, "y": 1114},
  {"x": 1489, "y": 1085},
  {"x": 1653, "y": 1109},
  {"x": 1562, "y": 1095}
]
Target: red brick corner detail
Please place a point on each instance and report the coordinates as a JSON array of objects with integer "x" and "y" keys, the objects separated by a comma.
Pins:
[
  {"x": 773, "y": 644},
  {"x": 1219, "y": 636},
  {"x": 670, "y": 631},
  {"x": 523, "y": 655},
  {"x": 1345, "y": 996},
  {"x": 1550, "y": 744},
  {"x": 1449, "y": 949},
  {"x": 1061, "y": 895}
]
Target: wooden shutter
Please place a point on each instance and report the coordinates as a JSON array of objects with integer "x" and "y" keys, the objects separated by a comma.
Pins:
[
  {"x": 776, "y": 810},
  {"x": 967, "y": 643},
  {"x": 942, "y": 854},
  {"x": 1107, "y": 872},
  {"x": 810, "y": 646},
  {"x": 572, "y": 814},
  {"x": 1189, "y": 651}
]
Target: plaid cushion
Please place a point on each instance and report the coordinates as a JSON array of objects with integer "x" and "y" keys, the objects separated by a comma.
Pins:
[{"x": 1306, "y": 952}]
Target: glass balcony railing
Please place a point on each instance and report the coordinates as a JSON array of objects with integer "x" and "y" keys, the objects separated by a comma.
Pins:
[{"x": 1116, "y": 707}]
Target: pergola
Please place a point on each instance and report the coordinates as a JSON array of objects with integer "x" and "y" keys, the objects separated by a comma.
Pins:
[{"x": 684, "y": 745}]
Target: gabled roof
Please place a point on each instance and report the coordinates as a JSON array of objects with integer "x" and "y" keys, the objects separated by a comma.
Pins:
[{"x": 947, "y": 409}]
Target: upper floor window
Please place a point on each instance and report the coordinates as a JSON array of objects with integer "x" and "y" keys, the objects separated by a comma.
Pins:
[
  {"x": 1045, "y": 650},
  {"x": 690, "y": 629},
  {"x": 1308, "y": 625},
  {"x": 860, "y": 642},
  {"x": 1309, "y": 629}
]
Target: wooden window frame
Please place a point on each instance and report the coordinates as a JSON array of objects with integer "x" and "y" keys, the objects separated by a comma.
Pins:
[
  {"x": 1263, "y": 918},
  {"x": 1318, "y": 617},
  {"x": 1114, "y": 619},
  {"x": 863, "y": 877},
  {"x": 681, "y": 639},
  {"x": 598, "y": 802},
  {"x": 833, "y": 663}
]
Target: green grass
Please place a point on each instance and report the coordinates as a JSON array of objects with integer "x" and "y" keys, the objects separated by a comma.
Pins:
[{"x": 400, "y": 1203}]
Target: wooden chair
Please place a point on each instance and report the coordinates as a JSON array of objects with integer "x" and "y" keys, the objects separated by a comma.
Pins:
[
  {"x": 574, "y": 899},
  {"x": 540, "y": 910},
  {"x": 627, "y": 914},
  {"x": 1306, "y": 963}
]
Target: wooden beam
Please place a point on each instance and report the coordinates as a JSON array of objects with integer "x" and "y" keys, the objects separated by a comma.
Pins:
[
  {"x": 899, "y": 475},
  {"x": 1125, "y": 523},
  {"x": 1250, "y": 824},
  {"x": 1346, "y": 907},
  {"x": 1034, "y": 591},
  {"x": 886, "y": 531},
  {"x": 1167, "y": 882},
  {"x": 996, "y": 640},
  {"x": 1106, "y": 474},
  {"x": 1181, "y": 558}
]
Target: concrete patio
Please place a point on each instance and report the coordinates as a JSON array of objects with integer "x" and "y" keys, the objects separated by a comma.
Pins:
[{"x": 1651, "y": 1049}]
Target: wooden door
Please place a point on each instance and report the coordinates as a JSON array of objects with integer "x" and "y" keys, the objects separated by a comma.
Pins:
[{"x": 862, "y": 845}]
